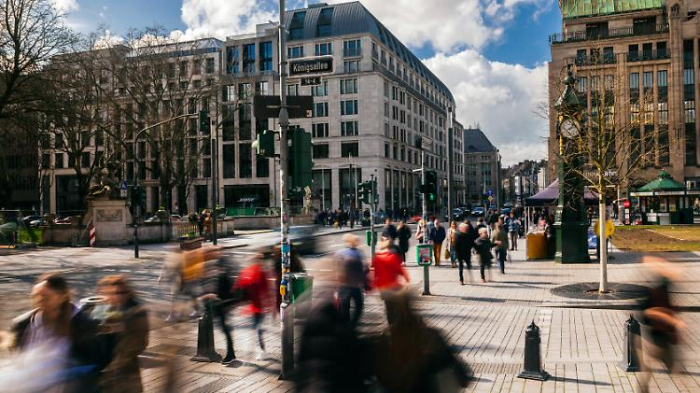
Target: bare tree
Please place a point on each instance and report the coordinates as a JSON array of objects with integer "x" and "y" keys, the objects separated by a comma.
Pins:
[
  {"x": 613, "y": 138},
  {"x": 31, "y": 34}
]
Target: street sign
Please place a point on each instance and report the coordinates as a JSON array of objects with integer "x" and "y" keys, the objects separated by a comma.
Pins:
[
  {"x": 490, "y": 193},
  {"x": 298, "y": 107},
  {"x": 123, "y": 185},
  {"x": 320, "y": 65},
  {"x": 311, "y": 81},
  {"x": 490, "y": 199}
]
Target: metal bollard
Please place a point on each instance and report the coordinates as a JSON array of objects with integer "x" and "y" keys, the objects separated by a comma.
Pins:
[
  {"x": 532, "y": 367},
  {"x": 205, "y": 338},
  {"x": 426, "y": 280},
  {"x": 632, "y": 356}
]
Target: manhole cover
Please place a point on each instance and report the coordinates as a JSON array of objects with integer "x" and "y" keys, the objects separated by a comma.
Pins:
[{"x": 589, "y": 291}]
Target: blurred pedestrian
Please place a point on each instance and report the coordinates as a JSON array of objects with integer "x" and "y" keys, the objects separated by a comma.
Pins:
[
  {"x": 389, "y": 230},
  {"x": 192, "y": 274},
  {"x": 513, "y": 225},
  {"x": 451, "y": 244},
  {"x": 420, "y": 231},
  {"x": 463, "y": 248},
  {"x": 660, "y": 317},
  {"x": 483, "y": 249},
  {"x": 499, "y": 239},
  {"x": 127, "y": 320},
  {"x": 437, "y": 236},
  {"x": 252, "y": 283},
  {"x": 404, "y": 234},
  {"x": 387, "y": 273},
  {"x": 480, "y": 223},
  {"x": 171, "y": 273},
  {"x": 57, "y": 343},
  {"x": 353, "y": 278}
]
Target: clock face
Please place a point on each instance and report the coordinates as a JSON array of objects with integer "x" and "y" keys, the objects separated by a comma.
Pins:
[{"x": 569, "y": 129}]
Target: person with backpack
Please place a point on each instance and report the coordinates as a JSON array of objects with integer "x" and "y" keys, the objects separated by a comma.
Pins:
[{"x": 437, "y": 236}]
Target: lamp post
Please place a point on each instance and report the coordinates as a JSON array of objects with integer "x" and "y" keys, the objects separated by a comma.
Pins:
[{"x": 570, "y": 224}]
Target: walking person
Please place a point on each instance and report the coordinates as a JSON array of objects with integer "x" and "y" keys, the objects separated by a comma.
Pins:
[
  {"x": 499, "y": 239},
  {"x": 253, "y": 286},
  {"x": 388, "y": 271},
  {"x": 463, "y": 247},
  {"x": 63, "y": 338},
  {"x": 404, "y": 234},
  {"x": 451, "y": 244},
  {"x": 128, "y": 321},
  {"x": 437, "y": 236},
  {"x": 353, "y": 279},
  {"x": 420, "y": 231},
  {"x": 389, "y": 230},
  {"x": 513, "y": 231},
  {"x": 483, "y": 249}
]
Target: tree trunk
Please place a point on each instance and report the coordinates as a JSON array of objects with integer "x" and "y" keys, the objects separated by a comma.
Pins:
[{"x": 602, "y": 244}]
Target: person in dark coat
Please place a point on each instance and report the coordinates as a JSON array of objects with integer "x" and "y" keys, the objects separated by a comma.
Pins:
[
  {"x": 404, "y": 234},
  {"x": 65, "y": 334},
  {"x": 128, "y": 321},
  {"x": 437, "y": 236},
  {"x": 483, "y": 248},
  {"x": 353, "y": 278},
  {"x": 389, "y": 230},
  {"x": 465, "y": 242}
]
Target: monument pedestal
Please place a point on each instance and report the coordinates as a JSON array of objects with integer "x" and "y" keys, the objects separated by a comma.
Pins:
[{"x": 111, "y": 218}]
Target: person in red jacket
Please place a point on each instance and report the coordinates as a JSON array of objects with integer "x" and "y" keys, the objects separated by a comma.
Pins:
[
  {"x": 252, "y": 282},
  {"x": 388, "y": 271}
]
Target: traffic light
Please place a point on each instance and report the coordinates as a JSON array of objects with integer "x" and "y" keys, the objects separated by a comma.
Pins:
[
  {"x": 137, "y": 199},
  {"x": 264, "y": 144},
  {"x": 204, "y": 121},
  {"x": 365, "y": 191},
  {"x": 300, "y": 162},
  {"x": 430, "y": 186}
]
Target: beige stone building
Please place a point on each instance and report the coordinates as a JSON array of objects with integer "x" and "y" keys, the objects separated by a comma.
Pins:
[{"x": 649, "y": 51}]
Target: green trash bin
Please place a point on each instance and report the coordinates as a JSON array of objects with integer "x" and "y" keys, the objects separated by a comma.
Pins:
[
  {"x": 424, "y": 254},
  {"x": 302, "y": 289}
]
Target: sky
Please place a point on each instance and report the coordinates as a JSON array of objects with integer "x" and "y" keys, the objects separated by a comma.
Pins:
[{"x": 491, "y": 54}]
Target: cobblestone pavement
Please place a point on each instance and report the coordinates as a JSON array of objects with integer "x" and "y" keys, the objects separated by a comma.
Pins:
[{"x": 582, "y": 339}]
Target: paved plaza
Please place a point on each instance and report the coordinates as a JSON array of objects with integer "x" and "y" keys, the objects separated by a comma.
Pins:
[{"x": 582, "y": 339}]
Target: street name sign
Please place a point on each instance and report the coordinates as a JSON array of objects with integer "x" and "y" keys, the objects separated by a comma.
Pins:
[
  {"x": 311, "y": 81},
  {"x": 320, "y": 65}
]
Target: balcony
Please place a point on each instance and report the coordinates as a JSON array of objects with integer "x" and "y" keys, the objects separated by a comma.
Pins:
[
  {"x": 596, "y": 35},
  {"x": 646, "y": 55},
  {"x": 605, "y": 59}
]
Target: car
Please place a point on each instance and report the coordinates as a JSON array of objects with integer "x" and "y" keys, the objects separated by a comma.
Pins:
[
  {"x": 175, "y": 218},
  {"x": 27, "y": 220},
  {"x": 302, "y": 238},
  {"x": 457, "y": 214},
  {"x": 478, "y": 211},
  {"x": 506, "y": 210}
]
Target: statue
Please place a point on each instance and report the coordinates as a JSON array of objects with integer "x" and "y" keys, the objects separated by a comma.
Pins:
[
  {"x": 307, "y": 200},
  {"x": 105, "y": 183}
]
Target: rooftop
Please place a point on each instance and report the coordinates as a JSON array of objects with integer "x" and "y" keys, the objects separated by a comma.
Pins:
[
  {"x": 475, "y": 141},
  {"x": 571, "y": 9}
]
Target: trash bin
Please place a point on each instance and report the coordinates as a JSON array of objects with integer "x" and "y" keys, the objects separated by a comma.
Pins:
[
  {"x": 536, "y": 246},
  {"x": 302, "y": 290}
]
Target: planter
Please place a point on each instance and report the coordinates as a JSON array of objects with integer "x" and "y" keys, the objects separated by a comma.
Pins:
[{"x": 191, "y": 244}]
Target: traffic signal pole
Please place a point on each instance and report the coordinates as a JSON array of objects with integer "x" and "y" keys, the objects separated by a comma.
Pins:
[{"x": 286, "y": 308}]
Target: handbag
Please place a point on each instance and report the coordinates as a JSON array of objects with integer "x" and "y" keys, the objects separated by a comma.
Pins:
[{"x": 447, "y": 253}]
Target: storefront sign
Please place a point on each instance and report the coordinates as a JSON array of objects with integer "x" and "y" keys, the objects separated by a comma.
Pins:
[
  {"x": 640, "y": 194},
  {"x": 661, "y": 193}
]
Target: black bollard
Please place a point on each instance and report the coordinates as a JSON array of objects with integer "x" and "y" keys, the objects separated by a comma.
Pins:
[
  {"x": 632, "y": 356},
  {"x": 205, "y": 338},
  {"x": 533, "y": 364}
]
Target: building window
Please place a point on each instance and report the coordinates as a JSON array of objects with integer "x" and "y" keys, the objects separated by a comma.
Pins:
[
  {"x": 691, "y": 155},
  {"x": 320, "y": 109},
  {"x": 688, "y": 77},
  {"x": 266, "y": 56},
  {"x": 348, "y": 128},
  {"x": 210, "y": 65},
  {"x": 634, "y": 80},
  {"x": 320, "y": 90},
  {"x": 386, "y": 150},
  {"x": 245, "y": 125},
  {"x": 249, "y": 58},
  {"x": 662, "y": 78},
  {"x": 663, "y": 112},
  {"x": 323, "y": 26},
  {"x": 348, "y": 86},
  {"x": 348, "y": 107},
  {"x": 324, "y": 49},
  {"x": 229, "y": 161},
  {"x": 348, "y": 149},
  {"x": 689, "y": 111},
  {"x": 320, "y": 150},
  {"x": 351, "y": 66},
  {"x": 296, "y": 28},
  {"x": 245, "y": 165},
  {"x": 295, "y": 52},
  {"x": 319, "y": 130},
  {"x": 352, "y": 48},
  {"x": 262, "y": 167},
  {"x": 228, "y": 125},
  {"x": 293, "y": 90}
]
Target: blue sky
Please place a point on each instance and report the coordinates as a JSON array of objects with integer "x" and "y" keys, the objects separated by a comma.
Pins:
[{"x": 492, "y": 54}]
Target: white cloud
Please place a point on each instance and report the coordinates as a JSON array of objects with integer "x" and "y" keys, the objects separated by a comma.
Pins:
[
  {"x": 502, "y": 98},
  {"x": 220, "y": 18},
  {"x": 66, "y": 5}
]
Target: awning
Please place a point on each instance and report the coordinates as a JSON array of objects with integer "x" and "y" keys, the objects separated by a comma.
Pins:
[
  {"x": 550, "y": 195},
  {"x": 663, "y": 183}
]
